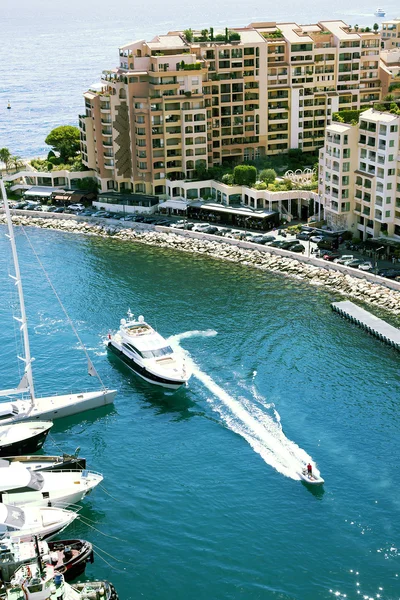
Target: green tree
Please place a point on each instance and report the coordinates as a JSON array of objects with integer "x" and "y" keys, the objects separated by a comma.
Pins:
[
  {"x": 65, "y": 140},
  {"x": 204, "y": 34},
  {"x": 5, "y": 156},
  {"x": 188, "y": 33},
  {"x": 376, "y": 27},
  {"x": 88, "y": 184},
  {"x": 268, "y": 175},
  {"x": 245, "y": 175},
  {"x": 16, "y": 162}
]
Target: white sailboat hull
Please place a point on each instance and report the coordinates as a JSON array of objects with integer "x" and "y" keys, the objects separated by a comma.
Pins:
[{"x": 56, "y": 407}]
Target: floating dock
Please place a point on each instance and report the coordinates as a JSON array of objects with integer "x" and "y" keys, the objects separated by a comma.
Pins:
[{"x": 375, "y": 326}]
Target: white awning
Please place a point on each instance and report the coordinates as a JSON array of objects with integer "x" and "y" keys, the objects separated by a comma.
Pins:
[{"x": 177, "y": 204}]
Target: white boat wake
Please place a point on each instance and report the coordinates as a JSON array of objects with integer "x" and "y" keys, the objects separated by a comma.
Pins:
[{"x": 253, "y": 418}]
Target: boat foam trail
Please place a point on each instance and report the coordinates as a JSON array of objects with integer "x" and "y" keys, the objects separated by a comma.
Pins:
[{"x": 256, "y": 420}]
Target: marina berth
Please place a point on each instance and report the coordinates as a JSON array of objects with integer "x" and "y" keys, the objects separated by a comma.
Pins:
[
  {"x": 24, "y": 523},
  {"x": 20, "y": 486},
  {"x": 68, "y": 557},
  {"x": 19, "y": 438},
  {"x": 148, "y": 354}
]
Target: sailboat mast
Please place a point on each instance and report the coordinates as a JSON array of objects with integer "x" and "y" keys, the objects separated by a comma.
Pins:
[{"x": 18, "y": 282}]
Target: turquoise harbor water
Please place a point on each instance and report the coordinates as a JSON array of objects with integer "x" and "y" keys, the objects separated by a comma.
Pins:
[{"x": 200, "y": 496}]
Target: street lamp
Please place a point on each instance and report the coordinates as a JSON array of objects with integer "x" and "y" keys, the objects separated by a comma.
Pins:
[{"x": 376, "y": 263}]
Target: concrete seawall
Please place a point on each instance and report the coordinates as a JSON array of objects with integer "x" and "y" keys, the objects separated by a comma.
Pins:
[{"x": 348, "y": 282}]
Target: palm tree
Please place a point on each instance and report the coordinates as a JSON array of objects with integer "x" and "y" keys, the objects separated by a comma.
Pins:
[
  {"x": 5, "y": 156},
  {"x": 16, "y": 162}
]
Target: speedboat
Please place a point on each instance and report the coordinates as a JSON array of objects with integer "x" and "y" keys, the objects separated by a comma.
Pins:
[
  {"x": 68, "y": 557},
  {"x": 24, "y": 523},
  {"x": 20, "y": 486},
  {"x": 23, "y": 437},
  {"x": 148, "y": 354},
  {"x": 380, "y": 12},
  {"x": 311, "y": 478}
]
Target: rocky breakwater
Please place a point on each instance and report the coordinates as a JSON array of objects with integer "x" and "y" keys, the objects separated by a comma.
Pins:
[{"x": 361, "y": 289}]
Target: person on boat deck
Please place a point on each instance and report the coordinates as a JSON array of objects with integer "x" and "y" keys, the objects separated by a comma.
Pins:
[{"x": 309, "y": 469}]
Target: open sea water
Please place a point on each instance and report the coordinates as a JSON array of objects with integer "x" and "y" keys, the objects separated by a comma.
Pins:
[
  {"x": 51, "y": 52},
  {"x": 201, "y": 496}
]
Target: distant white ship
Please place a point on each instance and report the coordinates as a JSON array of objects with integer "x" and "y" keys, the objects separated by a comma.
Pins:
[{"x": 380, "y": 12}]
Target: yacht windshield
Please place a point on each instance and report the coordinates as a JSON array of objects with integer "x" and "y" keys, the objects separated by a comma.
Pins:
[{"x": 156, "y": 353}]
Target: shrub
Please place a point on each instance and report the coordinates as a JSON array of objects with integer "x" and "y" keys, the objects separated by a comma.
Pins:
[
  {"x": 227, "y": 179},
  {"x": 245, "y": 175},
  {"x": 268, "y": 175}
]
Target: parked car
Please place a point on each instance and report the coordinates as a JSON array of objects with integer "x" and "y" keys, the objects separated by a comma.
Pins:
[
  {"x": 199, "y": 226},
  {"x": 330, "y": 256},
  {"x": 212, "y": 230},
  {"x": 163, "y": 222},
  {"x": 59, "y": 209},
  {"x": 258, "y": 239},
  {"x": 20, "y": 205},
  {"x": 33, "y": 206},
  {"x": 355, "y": 263},
  {"x": 343, "y": 259},
  {"x": 287, "y": 245},
  {"x": 99, "y": 213},
  {"x": 327, "y": 244},
  {"x": 276, "y": 244},
  {"x": 317, "y": 238},
  {"x": 304, "y": 235},
  {"x": 366, "y": 266},
  {"x": 268, "y": 238},
  {"x": 297, "y": 248},
  {"x": 389, "y": 273},
  {"x": 76, "y": 207}
]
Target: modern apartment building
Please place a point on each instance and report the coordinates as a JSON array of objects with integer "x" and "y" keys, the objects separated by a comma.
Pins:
[
  {"x": 391, "y": 34},
  {"x": 360, "y": 175},
  {"x": 188, "y": 101},
  {"x": 389, "y": 72}
]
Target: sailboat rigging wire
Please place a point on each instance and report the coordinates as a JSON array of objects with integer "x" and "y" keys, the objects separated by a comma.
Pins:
[{"x": 92, "y": 370}]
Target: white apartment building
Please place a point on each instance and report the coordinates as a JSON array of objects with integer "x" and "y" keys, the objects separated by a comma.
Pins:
[{"x": 359, "y": 176}]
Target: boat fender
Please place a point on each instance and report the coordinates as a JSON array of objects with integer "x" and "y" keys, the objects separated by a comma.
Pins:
[{"x": 109, "y": 336}]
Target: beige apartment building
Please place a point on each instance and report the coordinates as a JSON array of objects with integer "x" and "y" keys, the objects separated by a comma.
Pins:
[
  {"x": 390, "y": 34},
  {"x": 359, "y": 176},
  {"x": 185, "y": 102}
]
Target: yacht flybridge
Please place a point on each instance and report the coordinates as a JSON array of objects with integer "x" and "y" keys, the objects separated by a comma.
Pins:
[
  {"x": 51, "y": 407},
  {"x": 148, "y": 354}
]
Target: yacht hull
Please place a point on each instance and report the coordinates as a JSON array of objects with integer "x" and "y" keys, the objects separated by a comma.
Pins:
[
  {"x": 22, "y": 446},
  {"x": 56, "y": 407},
  {"x": 143, "y": 372}
]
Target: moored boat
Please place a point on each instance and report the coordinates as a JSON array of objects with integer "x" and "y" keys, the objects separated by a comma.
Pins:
[
  {"x": 21, "y": 487},
  {"x": 36, "y": 581},
  {"x": 148, "y": 354},
  {"x": 20, "y": 438},
  {"x": 68, "y": 557},
  {"x": 23, "y": 523},
  {"x": 64, "y": 462}
]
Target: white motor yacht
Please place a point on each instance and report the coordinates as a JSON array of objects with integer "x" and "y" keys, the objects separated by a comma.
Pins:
[
  {"x": 148, "y": 354},
  {"x": 20, "y": 486},
  {"x": 24, "y": 523}
]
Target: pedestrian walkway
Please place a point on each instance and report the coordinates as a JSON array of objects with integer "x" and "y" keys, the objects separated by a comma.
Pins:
[{"x": 364, "y": 319}]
